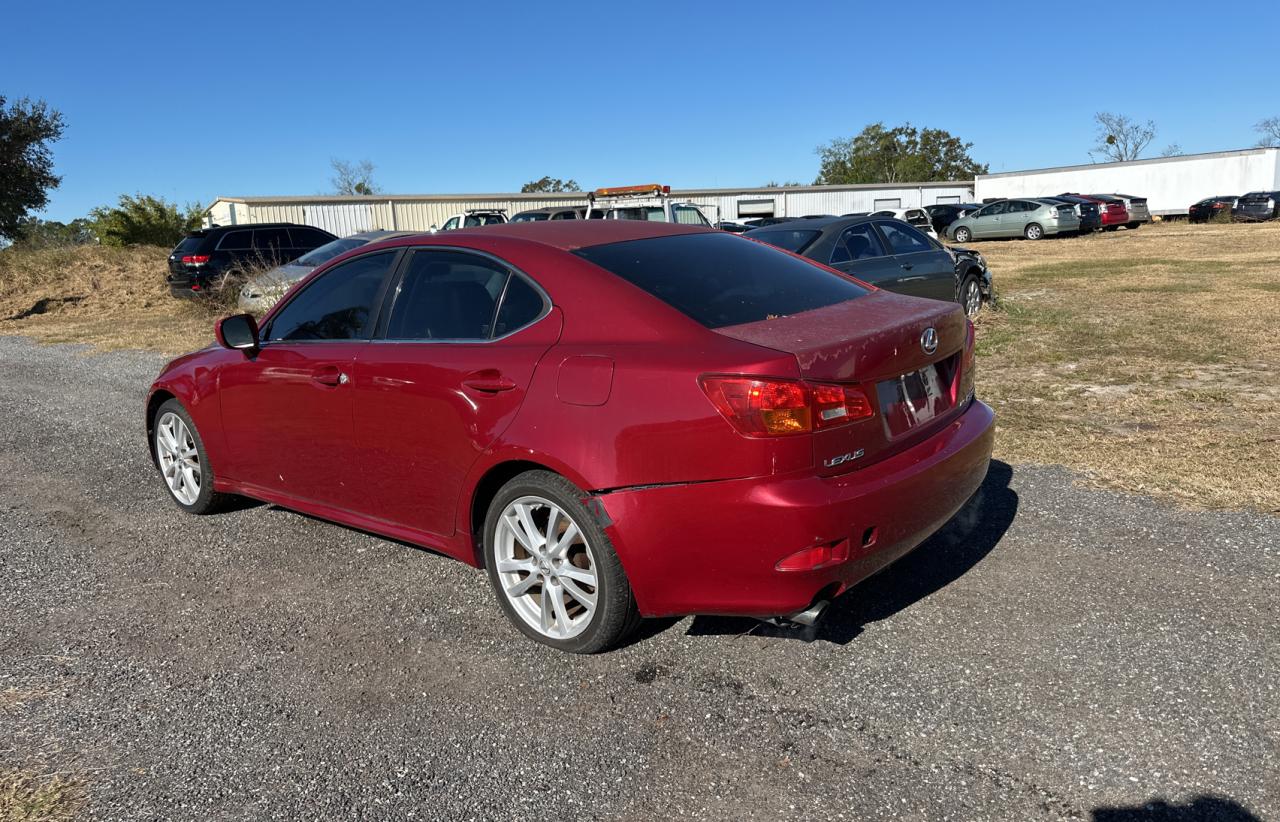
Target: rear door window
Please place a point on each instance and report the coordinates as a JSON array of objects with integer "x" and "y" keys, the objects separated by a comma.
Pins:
[
  {"x": 446, "y": 295},
  {"x": 270, "y": 240},
  {"x": 903, "y": 239},
  {"x": 720, "y": 280},
  {"x": 858, "y": 242}
]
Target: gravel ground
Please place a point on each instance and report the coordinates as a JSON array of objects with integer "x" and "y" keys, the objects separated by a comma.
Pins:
[{"x": 1055, "y": 653}]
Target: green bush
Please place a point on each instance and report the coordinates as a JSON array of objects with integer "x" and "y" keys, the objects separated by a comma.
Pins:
[{"x": 144, "y": 220}]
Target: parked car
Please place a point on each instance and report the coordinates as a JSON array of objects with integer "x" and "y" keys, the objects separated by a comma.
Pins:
[
  {"x": 1257, "y": 206},
  {"x": 474, "y": 218},
  {"x": 209, "y": 257},
  {"x": 649, "y": 203},
  {"x": 1212, "y": 208},
  {"x": 536, "y": 215},
  {"x": 733, "y": 226},
  {"x": 917, "y": 217},
  {"x": 1089, "y": 212},
  {"x": 1029, "y": 218},
  {"x": 944, "y": 214},
  {"x": 1137, "y": 208},
  {"x": 1112, "y": 212},
  {"x": 261, "y": 291},
  {"x": 889, "y": 254},
  {"x": 801, "y": 430}
]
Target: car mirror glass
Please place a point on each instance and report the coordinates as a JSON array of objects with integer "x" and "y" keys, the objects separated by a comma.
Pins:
[{"x": 238, "y": 332}]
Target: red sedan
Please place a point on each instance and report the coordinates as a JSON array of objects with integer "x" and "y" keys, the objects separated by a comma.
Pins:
[
  {"x": 1112, "y": 210},
  {"x": 616, "y": 419}
]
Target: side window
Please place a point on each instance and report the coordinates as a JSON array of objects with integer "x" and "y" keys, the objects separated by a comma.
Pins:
[
  {"x": 687, "y": 215},
  {"x": 270, "y": 240},
  {"x": 859, "y": 242},
  {"x": 338, "y": 305},
  {"x": 451, "y": 224},
  {"x": 565, "y": 215},
  {"x": 995, "y": 208},
  {"x": 236, "y": 241},
  {"x": 904, "y": 239},
  {"x": 521, "y": 305},
  {"x": 307, "y": 238},
  {"x": 446, "y": 295}
]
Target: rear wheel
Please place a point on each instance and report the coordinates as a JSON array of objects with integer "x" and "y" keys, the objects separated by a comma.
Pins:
[
  {"x": 1033, "y": 231},
  {"x": 553, "y": 568},
  {"x": 962, "y": 235},
  {"x": 971, "y": 297}
]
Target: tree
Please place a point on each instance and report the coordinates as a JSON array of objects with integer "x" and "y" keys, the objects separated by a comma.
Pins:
[
  {"x": 904, "y": 153},
  {"x": 1171, "y": 150},
  {"x": 1270, "y": 131},
  {"x": 552, "y": 184},
  {"x": 144, "y": 220},
  {"x": 37, "y": 233},
  {"x": 26, "y": 164},
  {"x": 1120, "y": 138},
  {"x": 352, "y": 178}
]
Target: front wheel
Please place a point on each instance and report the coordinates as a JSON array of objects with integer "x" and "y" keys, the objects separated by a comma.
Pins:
[
  {"x": 962, "y": 235},
  {"x": 1033, "y": 231},
  {"x": 182, "y": 460},
  {"x": 971, "y": 297},
  {"x": 553, "y": 568}
]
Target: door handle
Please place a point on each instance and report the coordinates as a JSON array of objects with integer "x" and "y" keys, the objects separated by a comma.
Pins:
[
  {"x": 329, "y": 375},
  {"x": 908, "y": 266},
  {"x": 488, "y": 382}
]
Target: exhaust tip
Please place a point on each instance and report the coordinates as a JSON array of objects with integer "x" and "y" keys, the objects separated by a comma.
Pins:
[{"x": 810, "y": 616}]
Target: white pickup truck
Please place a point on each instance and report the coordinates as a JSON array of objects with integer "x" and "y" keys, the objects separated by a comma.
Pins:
[{"x": 646, "y": 202}]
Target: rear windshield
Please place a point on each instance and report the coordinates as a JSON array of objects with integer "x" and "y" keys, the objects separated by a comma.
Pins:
[
  {"x": 189, "y": 243},
  {"x": 720, "y": 280},
  {"x": 328, "y": 251},
  {"x": 793, "y": 241},
  {"x": 1256, "y": 197}
]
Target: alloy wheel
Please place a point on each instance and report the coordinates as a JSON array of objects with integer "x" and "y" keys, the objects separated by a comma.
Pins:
[
  {"x": 972, "y": 299},
  {"x": 179, "y": 458},
  {"x": 545, "y": 567}
]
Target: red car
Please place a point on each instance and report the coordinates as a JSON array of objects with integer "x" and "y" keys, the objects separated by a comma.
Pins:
[
  {"x": 1111, "y": 210},
  {"x": 615, "y": 418}
]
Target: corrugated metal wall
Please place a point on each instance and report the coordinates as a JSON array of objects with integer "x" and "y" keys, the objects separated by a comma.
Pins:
[{"x": 420, "y": 214}]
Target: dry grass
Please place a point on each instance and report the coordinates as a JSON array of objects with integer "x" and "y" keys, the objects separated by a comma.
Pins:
[
  {"x": 1144, "y": 359},
  {"x": 119, "y": 299},
  {"x": 27, "y": 796},
  {"x": 1147, "y": 360}
]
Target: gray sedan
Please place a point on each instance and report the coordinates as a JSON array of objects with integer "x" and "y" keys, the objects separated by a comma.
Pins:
[
  {"x": 1033, "y": 219},
  {"x": 262, "y": 291}
]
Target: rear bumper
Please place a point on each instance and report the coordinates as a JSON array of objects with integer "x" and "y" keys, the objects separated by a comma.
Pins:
[
  {"x": 712, "y": 548},
  {"x": 1259, "y": 214}
]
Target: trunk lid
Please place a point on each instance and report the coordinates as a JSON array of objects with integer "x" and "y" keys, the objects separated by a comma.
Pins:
[{"x": 876, "y": 342}]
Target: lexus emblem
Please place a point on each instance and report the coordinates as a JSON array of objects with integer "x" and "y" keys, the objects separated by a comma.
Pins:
[{"x": 929, "y": 340}]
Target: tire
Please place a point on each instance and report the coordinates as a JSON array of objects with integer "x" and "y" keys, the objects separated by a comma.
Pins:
[
  {"x": 1033, "y": 231},
  {"x": 970, "y": 297},
  {"x": 962, "y": 235},
  {"x": 176, "y": 441},
  {"x": 529, "y": 583},
  {"x": 1111, "y": 228},
  {"x": 1132, "y": 226}
]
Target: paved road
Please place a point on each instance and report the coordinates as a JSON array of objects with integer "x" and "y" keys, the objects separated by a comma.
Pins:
[{"x": 1057, "y": 653}]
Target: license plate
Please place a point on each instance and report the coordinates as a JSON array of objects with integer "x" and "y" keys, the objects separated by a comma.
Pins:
[{"x": 913, "y": 399}]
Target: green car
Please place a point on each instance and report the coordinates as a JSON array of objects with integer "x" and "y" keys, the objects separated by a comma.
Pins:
[{"x": 1032, "y": 219}]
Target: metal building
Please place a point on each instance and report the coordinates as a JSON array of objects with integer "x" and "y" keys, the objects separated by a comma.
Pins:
[
  {"x": 1170, "y": 184},
  {"x": 402, "y": 212}
]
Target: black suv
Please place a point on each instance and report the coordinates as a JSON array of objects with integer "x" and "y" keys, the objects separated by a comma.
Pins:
[
  {"x": 1257, "y": 206},
  {"x": 207, "y": 256}
]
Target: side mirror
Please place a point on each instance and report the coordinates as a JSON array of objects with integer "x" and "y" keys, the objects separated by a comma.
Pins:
[{"x": 239, "y": 332}]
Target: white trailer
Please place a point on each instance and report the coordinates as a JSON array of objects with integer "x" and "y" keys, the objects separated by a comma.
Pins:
[{"x": 1170, "y": 184}]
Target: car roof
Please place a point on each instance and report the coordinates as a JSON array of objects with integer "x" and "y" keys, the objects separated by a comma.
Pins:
[
  {"x": 380, "y": 234},
  {"x": 243, "y": 226},
  {"x": 815, "y": 224},
  {"x": 570, "y": 235}
]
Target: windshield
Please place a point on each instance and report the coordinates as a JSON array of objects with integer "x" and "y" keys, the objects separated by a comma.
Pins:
[
  {"x": 328, "y": 251},
  {"x": 793, "y": 241},
  {"x": 719, "y": 280}
]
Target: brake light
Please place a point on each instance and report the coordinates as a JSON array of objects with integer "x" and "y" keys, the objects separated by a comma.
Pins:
[
  {"x": 195, "y": 259},
  {"x": 761, "y": 407}
]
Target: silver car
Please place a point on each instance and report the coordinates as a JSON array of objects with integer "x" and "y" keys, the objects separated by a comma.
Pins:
[
  {"x": 1030, "y": 218},
  {"x": 262, "y": 291}
]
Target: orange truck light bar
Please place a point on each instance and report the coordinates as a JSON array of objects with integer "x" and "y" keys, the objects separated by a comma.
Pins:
[{"x": 616, "y": 191}]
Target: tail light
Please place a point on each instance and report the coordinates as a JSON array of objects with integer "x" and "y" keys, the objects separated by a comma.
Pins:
[
  {"x": 195, "y": 259},
  {"x": 967, "y": 364},
  {"x": 761, "y": 407}
]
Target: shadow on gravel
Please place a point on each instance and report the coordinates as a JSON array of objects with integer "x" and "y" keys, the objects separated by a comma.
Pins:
[
  {"x": 1200, "y": 809},
  {"x": 971, "y": 534}
]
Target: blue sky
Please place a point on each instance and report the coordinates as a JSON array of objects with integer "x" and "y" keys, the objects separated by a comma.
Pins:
[{"x": 190, "y": 101}]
